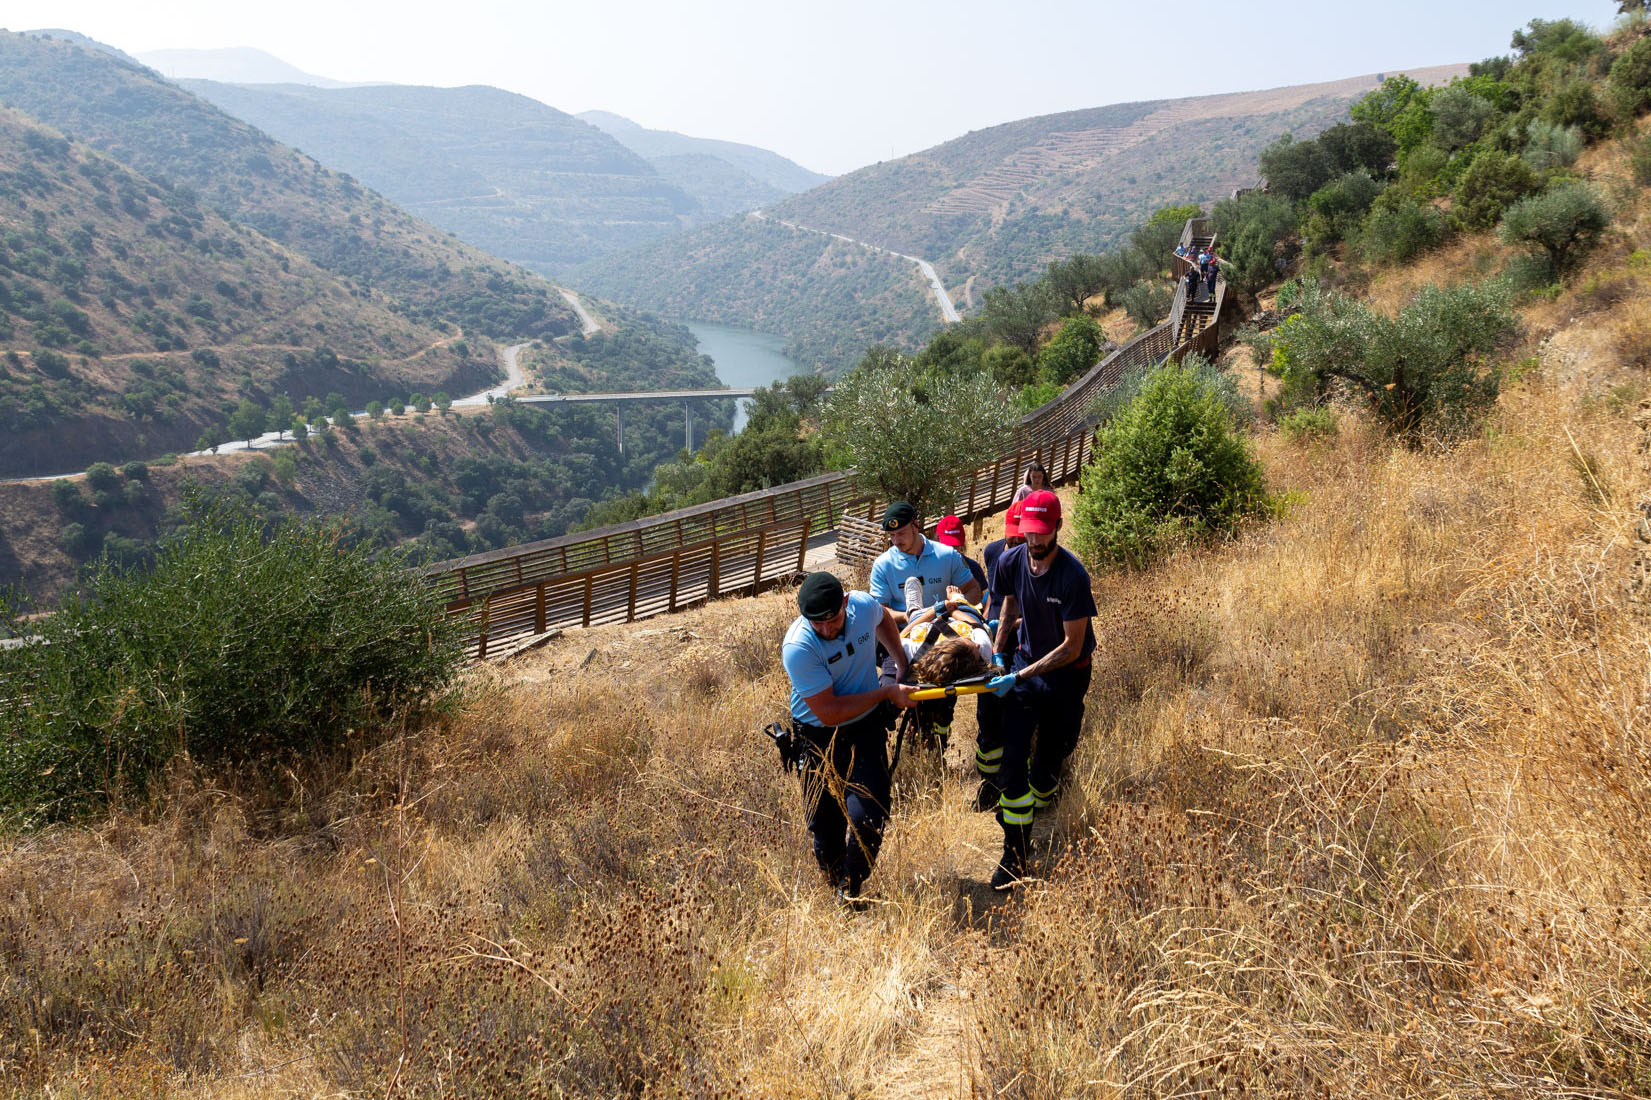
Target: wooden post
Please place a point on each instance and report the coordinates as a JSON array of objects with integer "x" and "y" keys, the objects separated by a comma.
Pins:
[
  {"x": 756, "y": 571},
  {"x": 630, "y": 608},
  {"x": 589, "y": 577},
  {"x": 713, "y": 581},
  {"x": 539, "y": 608},
  {"x": 676, "y": 571}
]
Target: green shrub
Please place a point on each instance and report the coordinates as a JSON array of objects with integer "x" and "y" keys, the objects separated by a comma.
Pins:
[
  {"x": 1171, "y": 466},
  {"x": 1631, "y": 79},
  {"x": 1147, "y": 302},
  {"x": 1111, "y": 402},
  {"x": 1307, "y": 424},
  {"x": 1399, "y": 229},
  {"x": 1074, "y": 348},
  {"x": 1491, "y": 184},
  {"x": 101, "y": 477},
  {"x": 1561, "y": 224},
  {"x": 1576, "y": 104},
  {"x": 233, "y": 648},
  {"x": 1338, "y": 208},
  {"x": 1038, "y": 394},
  {"x": 1459, "y": 117},
  {"x": 1009, "y": 366},
  {"x": 1548, "y": 147},
  {"x": 67, "y": 496},
  {"x": 1252, "y": 228}
]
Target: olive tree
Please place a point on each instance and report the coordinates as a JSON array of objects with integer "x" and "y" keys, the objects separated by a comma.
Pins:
[
  {"x": 1426, "y": 370},
  {"x": 911, "y": 433},
  {"x": 1561, "y": 224}
]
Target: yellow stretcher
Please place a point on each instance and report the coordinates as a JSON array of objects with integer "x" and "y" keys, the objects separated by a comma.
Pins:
[{"x": 975, "y": 685}]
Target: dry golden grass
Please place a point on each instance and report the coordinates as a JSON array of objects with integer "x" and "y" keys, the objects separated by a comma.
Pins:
[{"x": 1359, "y": 809}]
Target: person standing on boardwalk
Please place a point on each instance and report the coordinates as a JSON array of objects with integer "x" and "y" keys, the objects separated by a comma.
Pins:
[
  {"x": 989, "y": 708},
  {"x": 1193, "y": 281},
  {"x": 911, "y": 574},
  {"x": 1036, "y": 478},
  {"x": 843, "y": 713},
  {"x": 1046, "y": 622}
]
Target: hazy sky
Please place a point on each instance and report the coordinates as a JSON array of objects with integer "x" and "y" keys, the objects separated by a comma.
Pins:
[{"x": 832, "y": 85}]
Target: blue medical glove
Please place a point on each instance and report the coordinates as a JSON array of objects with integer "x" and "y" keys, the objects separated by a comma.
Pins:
[
  {"x": 1000, "y": 685},
  {"x": 991, "y": 627},
  {"x": 1000, "y": 660},
  {"x": 939, "y": 608}
]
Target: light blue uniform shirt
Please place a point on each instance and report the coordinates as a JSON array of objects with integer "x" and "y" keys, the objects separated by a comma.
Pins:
[
  {"x": 937, "y": 563},
  {"x": 847, "y": 664}
]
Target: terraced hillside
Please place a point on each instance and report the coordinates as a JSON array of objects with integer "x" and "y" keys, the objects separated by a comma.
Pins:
[
  {"x": 1009, "y": 199},
  {"x": 119, "y": 108}
]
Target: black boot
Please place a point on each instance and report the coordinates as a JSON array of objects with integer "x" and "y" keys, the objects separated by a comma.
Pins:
[
  {"x": 1011, "y": 866},
  {"x": 848, "y": 896}
]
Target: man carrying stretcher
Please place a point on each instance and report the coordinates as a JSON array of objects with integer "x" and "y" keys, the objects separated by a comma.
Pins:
[{"x": 912, "y": 574}]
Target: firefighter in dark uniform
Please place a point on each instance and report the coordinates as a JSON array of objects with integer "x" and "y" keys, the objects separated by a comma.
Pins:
[
  {"x": 989, "y": 710},
  {"x": 1047, "y": 608}
]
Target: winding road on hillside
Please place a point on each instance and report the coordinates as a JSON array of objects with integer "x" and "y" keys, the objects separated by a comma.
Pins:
[
  {"x": 515, "y": 379},
  {"x": 948, "y": 311},
  {"x": 509, "y": 358},
  {"x": 587, "y": 326}
]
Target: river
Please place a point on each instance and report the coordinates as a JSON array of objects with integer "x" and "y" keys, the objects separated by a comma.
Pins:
[{"x": 743, "y": 358}]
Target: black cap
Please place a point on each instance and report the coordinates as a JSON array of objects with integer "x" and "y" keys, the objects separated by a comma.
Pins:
[
  {"x": 897, "y": 515},
  {"x": 820, "y": 596}
]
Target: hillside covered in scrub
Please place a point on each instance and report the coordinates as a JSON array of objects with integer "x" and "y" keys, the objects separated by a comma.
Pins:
[
  {"x": 131, "y": 314},
  {"x": 1359, "y": 806},
  {"x": 129, "y": 113}
]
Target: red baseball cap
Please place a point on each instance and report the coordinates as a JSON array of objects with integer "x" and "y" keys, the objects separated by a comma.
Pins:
[
  {"x": 1040, "y": 513},
  {"x": 949, "y": 531},
  {"x": 1011, "y": 522}
]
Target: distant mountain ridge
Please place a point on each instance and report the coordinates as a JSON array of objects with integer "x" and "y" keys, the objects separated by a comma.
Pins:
[
  {"x": 988, "y": 208},
  {"x": 233, "y": 65},
  {"x": 510, "y": 174},
  {"x": 761, "y": 164}
]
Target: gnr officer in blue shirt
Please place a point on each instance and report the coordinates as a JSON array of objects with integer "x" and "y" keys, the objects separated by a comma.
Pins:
[
  {"x": 1047, "y": 608},
  {"x": 915, "y": 561},
  {"x": 843, "y": 712}
]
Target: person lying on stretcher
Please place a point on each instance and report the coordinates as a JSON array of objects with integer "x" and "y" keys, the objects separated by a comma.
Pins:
[{"x": 946, "y": 650}]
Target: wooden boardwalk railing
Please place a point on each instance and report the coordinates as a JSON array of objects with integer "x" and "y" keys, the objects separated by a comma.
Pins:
[{"x": 743, "y": 544}]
